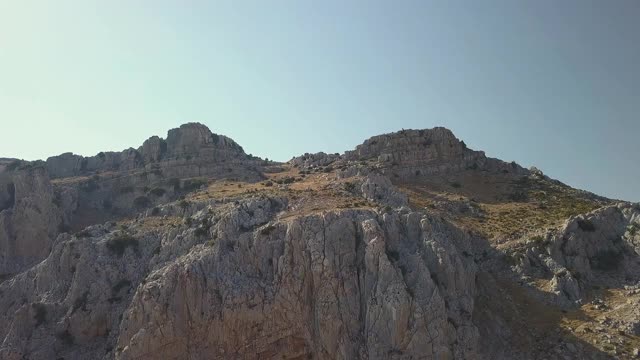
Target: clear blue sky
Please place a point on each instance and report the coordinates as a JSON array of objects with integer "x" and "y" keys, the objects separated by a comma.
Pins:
[{"x": 555, "y": 84}]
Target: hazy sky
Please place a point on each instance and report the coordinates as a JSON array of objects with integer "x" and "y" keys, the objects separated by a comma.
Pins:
[{"x": 555, "y": 84}]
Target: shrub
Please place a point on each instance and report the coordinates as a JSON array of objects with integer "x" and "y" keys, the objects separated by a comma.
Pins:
[
  {"x": 267, "y": 229},
  {"x": 268, "y": 183},
  {"x": 201, "y": 231},
  {"x": 586, "y": 225},
  {"x": 65, "y": 337},
  {"x": 120, "y": 243},
  {"x": 141, "y": 202},
  {"x": 455, "y": 185},
  {"x": 183, "y": 204},
  {"x": 158, "y": 191},
  {"x": 193, "y": 184},
  {"x": 350, "y": 186},
  {"x": 519, "y": 196},
  {"x": 124, "y": 283},
  {"x": 155, "y": 211},
  {"x": 40, "y": 315},
  {"x": 633, "y": 229}
]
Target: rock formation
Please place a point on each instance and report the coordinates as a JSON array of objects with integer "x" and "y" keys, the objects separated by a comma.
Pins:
[{"x": 187, "y": 248}]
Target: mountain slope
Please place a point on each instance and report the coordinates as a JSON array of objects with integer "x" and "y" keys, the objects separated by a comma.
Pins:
[{"x": 409, "y": 246}]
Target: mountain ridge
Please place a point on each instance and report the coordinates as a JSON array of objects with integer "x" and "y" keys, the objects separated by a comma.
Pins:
[{"x": 409, "y": 246}]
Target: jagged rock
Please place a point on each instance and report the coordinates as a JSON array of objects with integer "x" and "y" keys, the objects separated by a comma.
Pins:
[
  {"x": 598, "y": 241},
  {"x": 314, "y": 160},
  {"x": 345, "y": 284},
  {"x": 190, "y": 150},
  {"x": 378, "y": 188},
  {"x": 409, "y": 154}
]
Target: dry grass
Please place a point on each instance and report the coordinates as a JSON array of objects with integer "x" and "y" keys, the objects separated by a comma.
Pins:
[
  {"x": 308, "y": 194},
  {"x": 511, "y": 206}
]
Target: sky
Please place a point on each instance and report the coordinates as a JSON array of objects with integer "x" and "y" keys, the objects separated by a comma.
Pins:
[{"x": 551, "y": 84}]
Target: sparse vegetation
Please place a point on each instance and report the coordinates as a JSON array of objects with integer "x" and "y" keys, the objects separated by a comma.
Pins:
[
  {"x": 184, "y": 204},
  {"x": 141, "y": 202},
  {"x": 267, "y": 229},
  {"x": 193, "y": 184},
  {"x": 121, "y": 242}
]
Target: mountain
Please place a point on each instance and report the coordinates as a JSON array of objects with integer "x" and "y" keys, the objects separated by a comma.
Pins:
[{"x": 410, "y": 246}]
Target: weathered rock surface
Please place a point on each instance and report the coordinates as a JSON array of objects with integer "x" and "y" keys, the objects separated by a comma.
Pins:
[
  {"x": 190, "y": 150},
  {"x": 29, "y": 218},
  {"x": 413, "y": 153},
  {"x": 280, "y": 271},
  {"x": 344, "y": 284},
  {"x": 600, "y": 247}
]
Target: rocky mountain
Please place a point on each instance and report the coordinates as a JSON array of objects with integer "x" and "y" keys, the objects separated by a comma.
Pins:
[{"x": 411, "y": 246}]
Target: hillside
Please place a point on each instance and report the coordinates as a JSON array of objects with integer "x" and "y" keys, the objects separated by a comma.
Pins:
[{"x": 409, "y": 246}]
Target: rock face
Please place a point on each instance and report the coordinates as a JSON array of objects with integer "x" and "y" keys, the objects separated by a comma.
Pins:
[
  {"x": 600, "y": 247},
  {"x": 339, "y": 261},
  {"x": 29, "y": 218},
  {"x": 190, "y": 150},
  {"x": 413, "y": 153},
  {"x": 345, "y": 284}
]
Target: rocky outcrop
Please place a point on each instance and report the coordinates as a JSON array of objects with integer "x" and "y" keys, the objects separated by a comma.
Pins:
[
  {"x": 314, "y": 160},
  {"x": 603, "y": 240},
  {"x": 30, "y": 218},
  {"x": 235, "y": 282},
  {"x": 412, "y": 153},
  {"x": 190, "y": 150},
  {"x": 598, "y": 248}
]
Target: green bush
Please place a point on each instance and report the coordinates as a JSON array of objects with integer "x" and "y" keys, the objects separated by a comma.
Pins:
[{"x": 121, "y": 242}]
